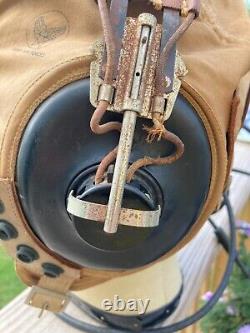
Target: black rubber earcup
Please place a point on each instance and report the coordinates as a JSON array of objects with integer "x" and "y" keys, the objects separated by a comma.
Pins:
[{"x": 58, "y": 146}]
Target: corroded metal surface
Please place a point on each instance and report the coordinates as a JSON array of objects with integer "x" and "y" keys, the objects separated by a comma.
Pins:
[
  {"x": 97, "y": 212},
  {"x": 135, "y": 93},
  {"x": 122, "y": 85},
  {"x": 127, "y": 64},
  {"x": 120, "y": 172},
  {"x": 133, "y": 101}
]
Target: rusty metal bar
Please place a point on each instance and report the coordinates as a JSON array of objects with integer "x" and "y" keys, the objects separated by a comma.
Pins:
[
  {"x": 120, "y": 172},
  {"x": 126, "y": 138}
]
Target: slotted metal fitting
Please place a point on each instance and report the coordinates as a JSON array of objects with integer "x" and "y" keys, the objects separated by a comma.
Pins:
[{"x": 106, "y": 93}]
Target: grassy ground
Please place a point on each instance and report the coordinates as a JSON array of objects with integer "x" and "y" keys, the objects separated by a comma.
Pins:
[{"x": 10, "y": 285}]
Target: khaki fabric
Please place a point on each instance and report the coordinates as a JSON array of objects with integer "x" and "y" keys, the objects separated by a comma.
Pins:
[
  {"x": 216, "y": 49},
  {"x": 46, "y": 44}
]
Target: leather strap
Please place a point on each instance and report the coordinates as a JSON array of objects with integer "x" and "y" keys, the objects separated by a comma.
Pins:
[
  {"x": 170, "y": 23},
  {"x": 183, "y": 6}
]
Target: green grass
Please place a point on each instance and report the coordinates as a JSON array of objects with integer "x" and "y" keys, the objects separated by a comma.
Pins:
[{"x": 10, "y": 285}]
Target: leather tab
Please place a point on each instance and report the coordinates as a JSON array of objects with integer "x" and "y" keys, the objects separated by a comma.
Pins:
[{"x": 46, "y": 299}]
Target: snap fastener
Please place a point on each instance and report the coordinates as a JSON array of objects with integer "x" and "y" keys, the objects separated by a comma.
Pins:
[
  {"x": 52, "y": 270},
  {"x": 7, "y": 231},
  {"x": 26, "y": 254}
]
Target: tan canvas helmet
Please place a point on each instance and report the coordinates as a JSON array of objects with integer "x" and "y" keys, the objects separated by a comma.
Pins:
[{"x": 52, "y": 206}]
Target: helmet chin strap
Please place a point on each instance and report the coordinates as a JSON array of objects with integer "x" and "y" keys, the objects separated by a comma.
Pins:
[{"x": 85, "y": 327}]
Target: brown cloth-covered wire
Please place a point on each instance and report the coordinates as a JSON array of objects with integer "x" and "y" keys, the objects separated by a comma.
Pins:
[
  {"x": 101, "y": 109},
  {"x": 159, "y": 131}
]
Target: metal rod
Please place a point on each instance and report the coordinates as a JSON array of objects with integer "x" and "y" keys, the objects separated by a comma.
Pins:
[
  {"x": 126, "y": 140},
  {"x": 120, "y": 172}
]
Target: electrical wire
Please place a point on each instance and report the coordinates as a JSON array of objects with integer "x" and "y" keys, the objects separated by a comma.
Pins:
[
  {"x": 85, "y": 327},
  {"x": 246, "y": 128},
  {"x": 243, "y": 172},
  {"x": 224, "y": 241},
  {"x": 95, "y": 122}
]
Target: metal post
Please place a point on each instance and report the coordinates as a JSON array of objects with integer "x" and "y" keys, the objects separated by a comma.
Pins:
[{"x": 126, "y": 139}]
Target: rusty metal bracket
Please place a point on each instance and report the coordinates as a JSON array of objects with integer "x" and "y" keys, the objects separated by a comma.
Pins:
[
  {"x": 133, "y": 98},
  {"x": 133, "y": 90},
  {"x": 122, "y": 85},
  {"x": 97, "y": 212}
]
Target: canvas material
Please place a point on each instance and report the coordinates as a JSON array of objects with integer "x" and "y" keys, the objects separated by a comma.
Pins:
[
  {"x": 45, "y": 45},
  {"x": 216, "y": 51}
]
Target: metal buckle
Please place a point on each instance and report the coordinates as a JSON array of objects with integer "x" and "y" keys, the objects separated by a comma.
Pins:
[{"x": 46, "y": 299}]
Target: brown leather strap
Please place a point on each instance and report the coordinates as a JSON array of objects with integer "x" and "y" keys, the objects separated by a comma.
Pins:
[
  {"x": 180, "y": 5},
  {"x": 170, "y": 23}
]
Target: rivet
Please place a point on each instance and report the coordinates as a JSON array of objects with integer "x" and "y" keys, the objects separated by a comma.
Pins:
[
  {"x": 26, "y": 254},
  {"x": 7, "y": 231},
  {"x": 52, "y": 270}
]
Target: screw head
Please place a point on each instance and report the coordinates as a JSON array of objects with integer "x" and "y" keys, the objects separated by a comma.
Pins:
[
  {"x": 7, "y": 231},
  {"x": 52, "y": 270},
  {"x": 26, "y": 254}
]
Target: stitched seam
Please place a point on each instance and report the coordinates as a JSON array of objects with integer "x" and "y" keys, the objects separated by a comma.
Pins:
[
  {"x": 209, "y": 17},
  {"x": 200, "y": 218},
  {"x": 29, "y": 113},
  {"x": 210, "y": 129},
  {"x": 31, "y": 86},
  {"x": 12, "y": 157},
  {"x": 210, "y": 132},
  {"x": 28, "y": 239},
  {"x": 79, "y": 74},
  {"x": 215, "y": 123}
]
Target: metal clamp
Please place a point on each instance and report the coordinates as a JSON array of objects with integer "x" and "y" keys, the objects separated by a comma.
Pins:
[
  {"x": 119, "y": 97},
  {"x": 140, "y": 50},
  {"x": 97, "y": 212},
  {"x": 165, "y": 105}
]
